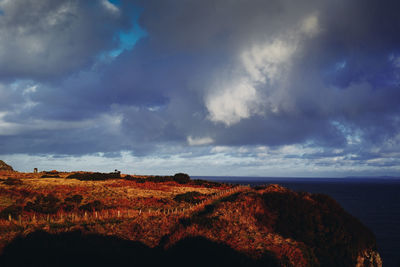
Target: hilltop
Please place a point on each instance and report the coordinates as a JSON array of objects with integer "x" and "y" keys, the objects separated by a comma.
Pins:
[
  {"x": 5, "y": 167},
  {"x": 62, "y": 219}
]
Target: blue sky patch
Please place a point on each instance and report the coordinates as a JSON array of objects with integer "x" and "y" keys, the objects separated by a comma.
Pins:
[
  {"x": 127, "y": 40},
  {"x": 115, "y": 2}
]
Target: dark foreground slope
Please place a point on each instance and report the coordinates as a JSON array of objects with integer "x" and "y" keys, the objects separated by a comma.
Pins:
[
  {"x": 267, "y": 226},
  {"x": 78, "y": 249}
]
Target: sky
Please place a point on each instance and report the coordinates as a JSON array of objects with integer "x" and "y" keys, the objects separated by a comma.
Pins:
[{"x": 211, "y": 87}]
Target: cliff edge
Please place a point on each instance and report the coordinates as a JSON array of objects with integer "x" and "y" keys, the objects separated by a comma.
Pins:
[
  {"x": 297, "y": 229},
  {"x": 158, "y": 221}
]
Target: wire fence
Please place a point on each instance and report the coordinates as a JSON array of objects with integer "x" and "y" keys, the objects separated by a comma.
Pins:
[{"x": 112, "y": 214}]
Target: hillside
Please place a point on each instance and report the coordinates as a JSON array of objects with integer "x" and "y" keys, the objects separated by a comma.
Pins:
[
  {"x": 89, "y": 219},
  {"x": 5, "y": 167}
]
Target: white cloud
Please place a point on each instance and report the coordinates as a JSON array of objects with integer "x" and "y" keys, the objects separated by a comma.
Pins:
[
  {"x": 395, "y": 60},
  {"x": 310, "y": 25},
  {"x": 264, "y": 62},
  {"x": 110, "y": 6},
  {"x": 220, "y": 149},
  {"x": 58, "y": 16},
  {"x": 264, "y": 67},
  {"x": 228, "y": 161},
  {"x": 192, "y": 141},
  {"x": 30, "y": 89},
  {"x": 239, "y": 99},
  {"x": 232, "y": 104}
]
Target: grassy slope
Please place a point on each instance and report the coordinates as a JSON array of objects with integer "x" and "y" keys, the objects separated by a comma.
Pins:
[{"x": 273, "y": 225}]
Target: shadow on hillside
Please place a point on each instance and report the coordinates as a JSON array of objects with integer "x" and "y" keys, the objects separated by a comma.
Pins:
[{"x": 77, "y": 249}]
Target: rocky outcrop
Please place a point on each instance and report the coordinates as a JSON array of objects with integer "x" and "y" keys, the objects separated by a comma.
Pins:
[
  {"x": 369, "y": 258},
  {"x": 297, "y": 229},
  {"x": 5, "y": 167}
]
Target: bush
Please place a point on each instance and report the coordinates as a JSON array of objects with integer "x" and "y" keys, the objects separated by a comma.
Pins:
[
  {"x": 135, "y": 179},
  {"x": 95, "y": 205},
  {"x": 53, "y": 172},
  {"x": 159, "y": 179},
  {"x": 12, "y": 181},
  {"x": 71, "y": 203},
  {"x": 96, "y": 176},
  {"x": 50, "y": 176},
  {"x": 76, "y": 199},
  {"x": 205, "y": 183},
  {"x": 13, "y": 210},
  {"x": 190, "y": 197},
  {"x": 181, "y": 178},
  {"x": 44, "y": 204}
]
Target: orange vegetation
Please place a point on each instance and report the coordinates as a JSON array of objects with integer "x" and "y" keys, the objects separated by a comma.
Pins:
[{"x": 292, "y": 229}]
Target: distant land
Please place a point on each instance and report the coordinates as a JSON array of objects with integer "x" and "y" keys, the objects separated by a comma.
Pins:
[{"x": 241, "y": 178}]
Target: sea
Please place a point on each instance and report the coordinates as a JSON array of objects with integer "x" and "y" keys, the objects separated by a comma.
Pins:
[{"x": 374, "y": 201}]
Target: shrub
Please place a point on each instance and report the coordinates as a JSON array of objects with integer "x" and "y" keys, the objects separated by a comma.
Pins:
[
  {"x": 76, "y": 199},
  {"x": 92, "y": 206},
  {"x": 191, "y": 197},
  {"x": 13, "y": 210},
  {"x": 205, "y": 183},
  {"x": 12, "y": 181},
  {"x": 96, "y": 176},
  {"x": 68, "y": 207},
  {"x": 135, "y": 179},
  {"x": 71, "y": 203},
  {"x": 53, "y": 172},
  {"x": 48, "y": 204},
  {"x": 181, "y": 178},
  {"x": 50, "y": 176}
]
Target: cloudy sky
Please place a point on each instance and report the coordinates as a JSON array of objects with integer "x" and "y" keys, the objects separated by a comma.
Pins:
[{"x": 211, "y": 87}]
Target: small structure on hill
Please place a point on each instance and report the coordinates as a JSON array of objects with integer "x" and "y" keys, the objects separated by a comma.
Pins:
[
  {"x": 5, "y": 167},
  {"x": 35, "y": 170}
]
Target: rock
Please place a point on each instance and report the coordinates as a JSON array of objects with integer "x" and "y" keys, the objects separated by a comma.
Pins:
[{"x": 5, "y": 167}]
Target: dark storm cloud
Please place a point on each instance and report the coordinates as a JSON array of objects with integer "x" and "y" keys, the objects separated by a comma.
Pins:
[
  {"x": 221, "y": 73},
  {"x": 46, "y": 39}
]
